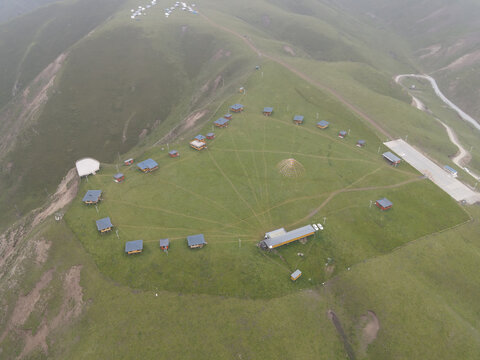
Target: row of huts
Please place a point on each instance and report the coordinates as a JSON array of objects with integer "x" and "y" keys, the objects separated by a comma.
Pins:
[{"x": 193, "y": 242}]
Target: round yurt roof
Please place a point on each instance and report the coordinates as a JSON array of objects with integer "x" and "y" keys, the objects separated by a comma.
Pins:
[{"x": 87, "y": 166}]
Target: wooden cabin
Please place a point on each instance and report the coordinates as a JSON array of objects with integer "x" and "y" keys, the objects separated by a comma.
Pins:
[
  {"x": 164, "y": 244},
  {"x": 295, "y": 275},
  {"x": 298, "y": 119},
  {"x": 323, "y": 124},
  {"x": 92, "y": 197},
  {"x": 222, "y": 122},
  {"x": 196, "y": 241},
  {"x": 361, "y": 143},
  {"x": 118, "y": 178},
  {"x": 134, "y": 247},
  {"x": 391, "y": 158},
  {"x": 342, "y": 134},
  {"x": 198, "y": 145},
  {"x": 211, "y": 136},
  {"x": 228, "y": 116},
  {"x": 267, "y": 111},
  {"x": 173, "y": 153},
  {"x": 200, "y": 138},
  {"x": 128, "y": 162},
  {"x": 384, "y": 204},
  {"x": 147, "y": 166},
  {"x": 236, "y": 108},
  {"x": 104, "y": 225}
]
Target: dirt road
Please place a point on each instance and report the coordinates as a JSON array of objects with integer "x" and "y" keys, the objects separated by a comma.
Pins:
[{"x": 304, "y": 76}]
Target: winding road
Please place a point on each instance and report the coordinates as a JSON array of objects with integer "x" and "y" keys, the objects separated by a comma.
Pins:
[{"x": 463, "y": 156}]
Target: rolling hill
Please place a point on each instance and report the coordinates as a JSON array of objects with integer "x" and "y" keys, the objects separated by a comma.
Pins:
[{"x": 376, "y": 284}]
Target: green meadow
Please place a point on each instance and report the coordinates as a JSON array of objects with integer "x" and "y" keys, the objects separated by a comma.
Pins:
[{"x": 233, "y": 193}]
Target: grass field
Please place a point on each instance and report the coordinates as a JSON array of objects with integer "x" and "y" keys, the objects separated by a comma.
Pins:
[{"x": 232, "y": 192}]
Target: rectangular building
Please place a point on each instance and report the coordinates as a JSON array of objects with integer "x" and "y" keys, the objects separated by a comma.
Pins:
[
  {"x": 92, "y": 197},
  {"x": 147, "y": 166},
  {"x": 134, "y": 247},
  {"x": 291, "y": 236}
]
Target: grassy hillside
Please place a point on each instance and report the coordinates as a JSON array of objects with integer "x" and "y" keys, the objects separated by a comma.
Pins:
[
  {"x": 154, "y": 305},
  {"x": 234, "y": 191},
  {"x": 10, "y": 9}
]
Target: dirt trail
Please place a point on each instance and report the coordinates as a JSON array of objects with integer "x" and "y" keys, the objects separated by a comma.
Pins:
[{"x": 304, "y": 76}]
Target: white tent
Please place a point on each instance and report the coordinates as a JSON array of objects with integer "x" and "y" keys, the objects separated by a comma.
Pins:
[{"x": 87, "y": 166}]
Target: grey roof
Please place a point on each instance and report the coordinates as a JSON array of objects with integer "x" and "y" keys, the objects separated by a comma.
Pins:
[
  {"x": 194, "y": 240},
  {"x": 289, "y": 236},
  {"x": 296, "y": 274},
  {"x": 118, "y": 176},
  {"x": 104, "y": 223},
  {"x": 210, "y": 134},
  {"x": 92, "y": 195},
  {"x": 147, "y": 164},
  {"x": 236, "y": 107},
  {"x": 173, "y": 152},
  {"x": 221, "y": 121},
  {"x": 361, "y": 142},
  {"x": 268, "y": 109},
  {"x": 200, "y": 137},
  {"x": 135, "y": 245},
  {"x": 384, "y": 202},
  {"x": 164, "y": 242},
  {"x": 323, "y": 123},
  {"x": 298, "y": 118},
  {"x": 391, "y": 157},
  {"x": 275, "y": 233},
  {"x": 343, "y": 133}
]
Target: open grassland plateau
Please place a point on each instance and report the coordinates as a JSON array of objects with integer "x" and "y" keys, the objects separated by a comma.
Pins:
[{"x": 233, "y": 193}]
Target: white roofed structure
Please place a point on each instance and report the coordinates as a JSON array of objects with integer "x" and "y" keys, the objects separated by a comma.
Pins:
[{"x": 87, "y": 166}]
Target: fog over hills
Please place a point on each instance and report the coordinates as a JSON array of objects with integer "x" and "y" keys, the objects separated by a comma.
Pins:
[{"x": 119, "y": 79}]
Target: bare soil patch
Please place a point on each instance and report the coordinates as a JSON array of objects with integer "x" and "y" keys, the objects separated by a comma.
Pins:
[
  {"x": 71, "y": 308},
  {"x": 26, "y": 304},
  {"x": 41, "y": 250},
  {"x": 66, "y": 192},
  {"x": 29, "y": 101},
  {"x": 370, "y": 329}
]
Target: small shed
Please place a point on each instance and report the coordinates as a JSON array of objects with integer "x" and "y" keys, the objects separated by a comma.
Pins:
[
  {"x": 200, "y": 137},
  {"x": 342, "y": 134},
  {"x": 211, "y": 136},
  {"x": 128, "y": 162},
  {"x": 173, "y": 153},
  {"x": 391, "y": 158},
  {"x": 222, "y": 122},
  {"x": 295, "y": 275},
  {"x": 384, "y": 204},
  {"x": 228, "y": 116},
  {"x": 196, "y": 241},
  {"x": 323, "y": 124},
  {"x": 361, "y": 143},
  {"x": 198, "y": 145},
  {"x": 134, "y": 247},
  {"x": 104, "y": 225},
  {"x": 148, "y": 165},
  {"x": 118, "y": 177},
  {"x": 236, "y": 108},
  {"x": 298, "y": 119},
  {"x": 92, "y": 197},
  {"x": 164, "y": 244},
  {"x": 267, "y": 111}
]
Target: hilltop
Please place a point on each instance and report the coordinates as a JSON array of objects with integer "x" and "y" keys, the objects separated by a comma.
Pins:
[{"x": 375, "y": 284}]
